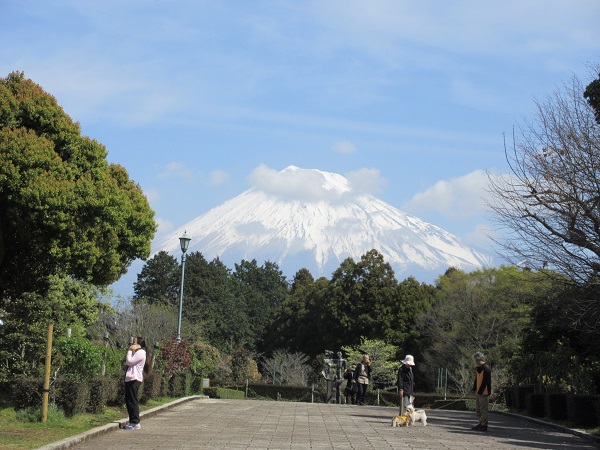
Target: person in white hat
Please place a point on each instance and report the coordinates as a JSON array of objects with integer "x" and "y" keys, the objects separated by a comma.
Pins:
[{"x": 406, "y": 382}]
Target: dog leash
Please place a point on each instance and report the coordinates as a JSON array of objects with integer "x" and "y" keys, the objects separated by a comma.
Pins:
[{"x": 446, "y": 405}]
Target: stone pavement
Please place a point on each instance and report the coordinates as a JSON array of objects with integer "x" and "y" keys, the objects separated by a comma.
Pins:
[{"x": 254, "y": 424}]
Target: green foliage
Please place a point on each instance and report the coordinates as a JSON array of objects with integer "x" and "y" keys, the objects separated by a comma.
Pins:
[
  {"x": 158, "y": 282},
  {"x": 210, "y": 301},
  {"x": 152, "y": 386},
  {"x": 72, "y": 395},
  {"x": 485, "y": 310},
  {"x": 301, "y": 323},
  {"x": 241, "y": 364},
  {"x": 384, "y": 365},
  {"x": 26, "y": 392},
  {"x": 103, "y": 391},
  {"x": 362, "y": 299},
  {"x": 217, "y": 392},
  {"x": 262, "y": 289},
  {"x": 67, "y": 303},
  {"x": 55, "y": 416},
  {"x": 180, "y": 384},
  {"x": 229, "y": 310},
  {"x": 561, "y": 351},
  {"x": 592, "y": 95},
  {"x": 205, "y": 360},
  {"x": 77, "y": 358},
  {"x": 60, "y": 199}
]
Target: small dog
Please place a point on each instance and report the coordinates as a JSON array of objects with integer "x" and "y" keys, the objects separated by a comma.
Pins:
[
  {"x": 416, "y": 415},
  {"x": 401, "y": 421}
]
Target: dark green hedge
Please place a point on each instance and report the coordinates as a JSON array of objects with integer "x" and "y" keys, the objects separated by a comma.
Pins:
[
  {"x": 72, "y": 396},
  {"x": 76, "y": 396},
  {"x": 581, "y": 409},
  {"x": 535, "y": 404},
  {"x": 27, "y": 392},
  {"x": 556, "y": 406},
  {"x": 103, "y": 391},
  {"x": 151, "y": 387}
]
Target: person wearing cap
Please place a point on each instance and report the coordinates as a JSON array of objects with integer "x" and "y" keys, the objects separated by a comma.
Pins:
[
  {"x": 406, "y": 382},
  {"x": 362, "y": 374},
  {"x": 482, "y": 388}
]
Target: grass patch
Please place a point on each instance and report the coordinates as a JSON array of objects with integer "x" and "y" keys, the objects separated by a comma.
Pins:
[{"x": 23, "y": 429}]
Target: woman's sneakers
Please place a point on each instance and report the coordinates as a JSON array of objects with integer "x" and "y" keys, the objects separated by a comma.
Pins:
[{"x": 132, "y": 426}]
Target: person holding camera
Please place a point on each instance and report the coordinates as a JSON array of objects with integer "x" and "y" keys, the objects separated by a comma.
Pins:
[{"x": 137, "y": 363}]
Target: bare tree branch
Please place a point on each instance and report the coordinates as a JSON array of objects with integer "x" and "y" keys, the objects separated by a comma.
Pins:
[{"x": 549, "y": 205}]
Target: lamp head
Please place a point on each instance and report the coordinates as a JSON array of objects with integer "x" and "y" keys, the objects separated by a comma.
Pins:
[{"x": 184, "y": 241}]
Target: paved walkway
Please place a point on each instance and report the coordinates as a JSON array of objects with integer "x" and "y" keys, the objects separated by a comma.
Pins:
[{"x": 253, "y": 424}]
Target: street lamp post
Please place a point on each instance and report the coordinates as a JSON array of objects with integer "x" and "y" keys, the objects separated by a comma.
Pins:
[{"x": 184, "y": 242}]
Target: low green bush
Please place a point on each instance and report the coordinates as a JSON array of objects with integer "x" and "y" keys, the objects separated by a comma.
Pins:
[
  {"x": 180, "y": 384},
  {"x": 217, "y": 392},
  {"x": 27, "y": 392},
  {"x": 152, "y": 386},
  {"x": 103, "y": 391},
  {"x": 72, "y": 395},
  {"x": 283, "y": 392}
]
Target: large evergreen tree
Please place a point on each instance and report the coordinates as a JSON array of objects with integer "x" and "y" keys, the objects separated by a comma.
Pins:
[
  {"x": 158, "y": 282},
  {"x": 63, "y": 207}
]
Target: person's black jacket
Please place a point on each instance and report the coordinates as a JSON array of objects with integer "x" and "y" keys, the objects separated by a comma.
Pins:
[
  {"x": 349, "y": 375},
  {"x": 483, "y": 380},
  {"x": 406, "y": 381}
]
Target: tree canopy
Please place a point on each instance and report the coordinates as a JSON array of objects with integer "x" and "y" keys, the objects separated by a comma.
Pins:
[{"x": 63, "y": 207}]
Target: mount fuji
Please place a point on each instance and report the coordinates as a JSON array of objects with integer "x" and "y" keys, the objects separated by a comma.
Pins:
[{"x": 315, "y": 219}]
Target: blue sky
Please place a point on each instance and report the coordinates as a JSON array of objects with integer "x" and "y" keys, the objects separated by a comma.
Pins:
[{"x": 196, "y": 98}]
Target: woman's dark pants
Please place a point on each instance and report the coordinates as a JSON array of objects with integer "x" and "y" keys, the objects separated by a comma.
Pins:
[{"x": 131, "y": 400}]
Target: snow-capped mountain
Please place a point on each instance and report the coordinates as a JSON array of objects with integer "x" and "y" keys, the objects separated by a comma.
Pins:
[{"x": 318, "y": 229}]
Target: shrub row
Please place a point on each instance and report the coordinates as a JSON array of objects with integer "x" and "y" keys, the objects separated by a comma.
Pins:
[
  {"x": 75, "y": 396},
  {"x": 583, "y": 410},
  {"x": 319, "y": 395}
]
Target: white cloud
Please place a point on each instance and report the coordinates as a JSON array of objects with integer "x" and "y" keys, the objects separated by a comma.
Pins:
[
  {"x": 457, "y": 198},
  {"x": 315, "y": 185},
  {"x": 176, "y": 170},
  {"x": 344, "y": 147},
  {"x": 164, "y": 225},
  {"x": 366, "y": 180},
  {"x": 218, "y": 177},
  {"x": 152, "y": 195},
  {"x": 480, "y": 236},
  {"x": 295, "y": 183}
]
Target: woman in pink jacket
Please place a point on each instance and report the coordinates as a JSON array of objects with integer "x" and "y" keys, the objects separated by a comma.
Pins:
[{"x": 137, "y": 365}]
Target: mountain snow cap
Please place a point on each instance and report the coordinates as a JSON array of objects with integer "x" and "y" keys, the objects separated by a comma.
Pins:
[{"x": 314, "y": 219}]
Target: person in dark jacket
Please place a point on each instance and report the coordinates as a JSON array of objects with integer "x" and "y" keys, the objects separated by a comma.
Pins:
[
  {"x": 362, "y": 374},
  {"x": 351, "y": 387},
  {"x": 406, "y": 382},
  {"x": 482, "y": 388}
]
